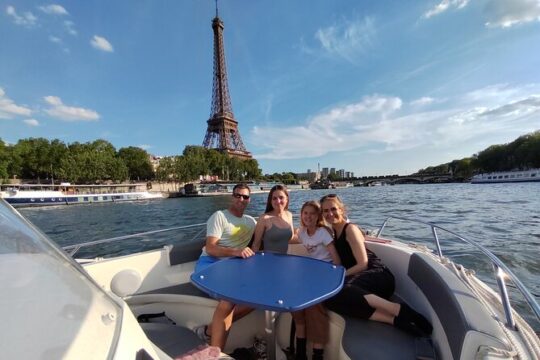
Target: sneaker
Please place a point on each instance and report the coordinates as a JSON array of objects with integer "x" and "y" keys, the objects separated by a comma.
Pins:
[
  {"x": 202, "y": 332},
  {"x": 259, "y": 347}
]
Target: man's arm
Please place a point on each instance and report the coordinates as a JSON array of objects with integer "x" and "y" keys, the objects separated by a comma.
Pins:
[{"x": 213, "y": 249}]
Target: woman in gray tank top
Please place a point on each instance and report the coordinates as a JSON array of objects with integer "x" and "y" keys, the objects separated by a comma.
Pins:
[{"x": 274, "y": 228}]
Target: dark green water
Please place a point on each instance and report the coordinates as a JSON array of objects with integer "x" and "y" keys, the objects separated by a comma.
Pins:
[{"x": 505, "y": 218}]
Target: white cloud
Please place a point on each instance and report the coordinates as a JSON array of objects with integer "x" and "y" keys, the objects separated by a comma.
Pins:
[
  {"x": 380, "y": 122},
  {"x": 54, "y": 9},
  {"x": 70, "y": 27},
  {"x": 101, "y": 43},
  {"x": 55, "y": 39},
  {"x": 145, "y": 146},
  {"x": 9, "y": 110},
  {"x": 505, "y": 13},
  {"x": 425, "y": 100},
  {"x": 521, "y": 107},
  {"x": 445, "y": 5},
  {"x": 349, "y": 39},
  {"x": 31, "y": 122},
  {"x": 27, "y": 19},
  {"x": 68, "y": 113}
]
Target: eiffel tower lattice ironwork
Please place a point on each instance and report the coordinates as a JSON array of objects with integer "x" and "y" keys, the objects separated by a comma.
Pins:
[{"x": 222, "y": 132}]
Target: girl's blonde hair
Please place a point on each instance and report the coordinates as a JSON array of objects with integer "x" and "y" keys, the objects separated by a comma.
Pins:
[{"x": 314, "y": 204}]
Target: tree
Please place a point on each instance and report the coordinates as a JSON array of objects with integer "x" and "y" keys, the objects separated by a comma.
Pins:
[
  {"x": 57, "y": 151},
  {"x": 252, "y": 170},
  {"x": 164, "y": 171},
  {"x": 138, "y": 163},
  {"x": 288, "y": 178},
  {"x": 92, "y": 162},
  {"x": 4, "y": 161},
  {"x": 31, "y": 158},
  {"x": 195, "y": 157}
]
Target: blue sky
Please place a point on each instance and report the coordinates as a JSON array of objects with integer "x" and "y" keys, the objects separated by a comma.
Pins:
[{"x": 374, "y": 87}]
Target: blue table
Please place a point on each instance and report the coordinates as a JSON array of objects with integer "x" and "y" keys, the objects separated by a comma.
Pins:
[{"x": 272, "y": 282}]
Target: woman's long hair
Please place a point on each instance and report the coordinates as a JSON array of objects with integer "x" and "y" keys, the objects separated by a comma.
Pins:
[{"x": 269, "y": 206}]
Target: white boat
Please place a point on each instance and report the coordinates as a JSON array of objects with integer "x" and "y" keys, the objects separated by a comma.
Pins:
[
  {"x": 53, "y": 307},
  {"x": 67, "y": 194},
  {"x": 507, "y": 177},
  {"x": 216, "y": 189}
]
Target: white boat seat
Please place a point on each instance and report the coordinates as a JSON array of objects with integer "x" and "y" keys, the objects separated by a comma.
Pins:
[
  {"x": 464, "y": 319},
  {"x": 171, "y": 339}
]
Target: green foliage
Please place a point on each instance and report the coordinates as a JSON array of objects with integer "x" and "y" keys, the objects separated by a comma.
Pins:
[
  {"x": 197, "y": 161},
  {"x": 138, "y": 163},
  {"x": 333, "y": 177},
  {"x": 4, "y": 161},
  {"x": 522, "y": 153},
  {"x": 41, "y": 159},
  {"x": 285, "y": 178}
]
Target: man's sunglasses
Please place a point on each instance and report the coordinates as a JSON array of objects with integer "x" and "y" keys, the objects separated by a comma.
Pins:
[{"x": 238, "y": 196}]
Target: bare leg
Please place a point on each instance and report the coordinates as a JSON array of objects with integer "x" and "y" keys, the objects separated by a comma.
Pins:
[
  {"x": 300, "y": 323},
  {"x": 382, "y": 316},
  {"x": 380, "y": 304},
  {"x": 239, "y": 312},
  {"x": 221, "y": 323},
  {"x": 300, "y": 330}
]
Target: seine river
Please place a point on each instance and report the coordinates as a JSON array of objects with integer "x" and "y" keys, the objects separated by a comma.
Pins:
[{"x": 505, "y": 218}]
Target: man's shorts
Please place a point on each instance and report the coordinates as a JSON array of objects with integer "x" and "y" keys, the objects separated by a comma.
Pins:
[{"x": 205, "y": 261}]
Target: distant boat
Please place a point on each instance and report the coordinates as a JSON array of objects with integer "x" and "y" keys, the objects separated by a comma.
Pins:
[
  {"x": 215, "y": 189},
  {"x": 343, "y": 184},
  {"x": 322, "y": 184},
  {"x": 507, "y": 177},
  {"x": 67, "y": 194}
]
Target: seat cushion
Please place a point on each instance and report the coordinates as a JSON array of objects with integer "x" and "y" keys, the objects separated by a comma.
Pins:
[
  {"x": 364, "y": 339},
  {"x": 171, "y": 339}
]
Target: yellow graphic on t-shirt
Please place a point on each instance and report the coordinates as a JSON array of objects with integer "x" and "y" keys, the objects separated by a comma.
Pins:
[{"x": 240, "y": 235}]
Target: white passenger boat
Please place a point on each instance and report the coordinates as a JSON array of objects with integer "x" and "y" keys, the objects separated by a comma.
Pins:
[
  {"x": 54, "y": 308},
  {"x": 67, "y": 194},
  {"x": 216, "y": 189},
  {"x": 507, "y": 177}
]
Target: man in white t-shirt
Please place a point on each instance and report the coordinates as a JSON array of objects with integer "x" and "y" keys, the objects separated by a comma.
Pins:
[{"x": 228, "y": 233}]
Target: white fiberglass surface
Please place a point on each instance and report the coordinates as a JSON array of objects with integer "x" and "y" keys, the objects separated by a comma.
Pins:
[{"x": 49, "y": 307}]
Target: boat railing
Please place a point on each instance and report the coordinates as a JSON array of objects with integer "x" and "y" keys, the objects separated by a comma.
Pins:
[
  {"x": 501, "y": 271},
  {"x": 74, "y": 249}
]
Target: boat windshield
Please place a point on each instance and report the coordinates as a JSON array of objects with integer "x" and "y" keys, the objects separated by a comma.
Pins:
[{"x": 50, "y": 308}]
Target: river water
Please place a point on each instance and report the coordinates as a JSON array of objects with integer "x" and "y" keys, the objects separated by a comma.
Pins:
[{"x": 505, "y": 218}]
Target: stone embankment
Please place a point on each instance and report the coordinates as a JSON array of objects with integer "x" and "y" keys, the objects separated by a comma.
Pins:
[{"x": 168, "y": 189}]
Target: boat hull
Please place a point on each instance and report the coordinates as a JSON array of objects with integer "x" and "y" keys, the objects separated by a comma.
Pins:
[
  {"x": 60, "y": 199},
  {"x": 507, "y": 177}
]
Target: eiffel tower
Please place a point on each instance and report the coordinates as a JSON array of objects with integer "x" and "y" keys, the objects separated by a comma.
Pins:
[{"x": 222, "y": 133}]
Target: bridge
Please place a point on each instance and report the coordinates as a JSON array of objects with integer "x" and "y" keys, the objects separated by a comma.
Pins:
[{"x": 407, "y": 179}]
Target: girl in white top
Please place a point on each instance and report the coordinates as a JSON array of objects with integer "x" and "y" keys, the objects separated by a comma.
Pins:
[
  {"x": 312, "y": 323},
  {"x": 316, "y": 238}
]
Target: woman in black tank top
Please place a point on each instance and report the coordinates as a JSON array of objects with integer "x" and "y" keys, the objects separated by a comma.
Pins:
[{"x": 368, "y": 283}]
